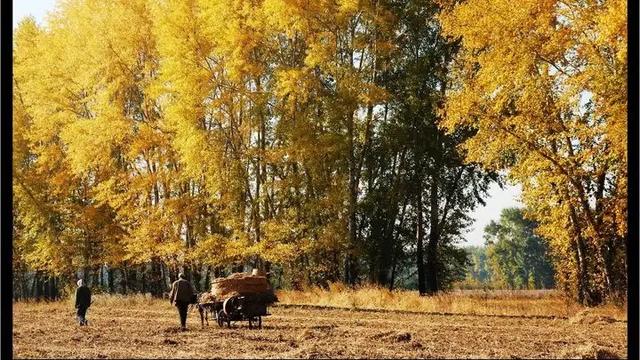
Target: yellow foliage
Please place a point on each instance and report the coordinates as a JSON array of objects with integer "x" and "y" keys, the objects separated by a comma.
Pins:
[{"x": 555, "y": 124}]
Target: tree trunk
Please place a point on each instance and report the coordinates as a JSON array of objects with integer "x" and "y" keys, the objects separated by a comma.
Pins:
[
  {"x": 110, "y": 280},
  {"x": 25, "y": 285},
  {"x": 434, "y": 235},
  {"x": 94, "y": 278},
  {"x": 86, "y": 274},
  {"x": 45, "y": 288},
  {"x": 260, "y": 170},
  {"x": 35, "y": 288},
  {"x": 158, "y": 275},
  {"x": 580, "y": 252},
  {"x": 144, "y": 281},
  {"x": 56, "y": 291},
  {"x": 51, "y": 288},
  {"x": 197, "y": 278},
  {"x": 419, "y": 239},
  {"x": 350, "y": 266},
  {"x": 125, "y": 279},
  {"x": 163, "y": 278},
  {"x": 207, "y": 278}
]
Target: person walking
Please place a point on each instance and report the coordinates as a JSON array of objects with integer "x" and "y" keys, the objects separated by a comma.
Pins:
[
  {"x": 181, "y": 296},
  {"x": 83, "y": 301}
]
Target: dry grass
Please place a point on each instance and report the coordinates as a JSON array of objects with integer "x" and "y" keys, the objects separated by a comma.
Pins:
[
  {"x": 120, "y": 300},
  {"x": 126, "y": 300},
  {"x": 141, "y": 327},
  {"x": 470, "y": 302}
]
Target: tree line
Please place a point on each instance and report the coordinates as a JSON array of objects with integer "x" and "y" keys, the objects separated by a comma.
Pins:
[
  {"x": 513, "y": 256},
  {"x": 319, "y": 141}
]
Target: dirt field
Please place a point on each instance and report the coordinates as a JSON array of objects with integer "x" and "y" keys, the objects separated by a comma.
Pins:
[{"x": 141, "y": 330}]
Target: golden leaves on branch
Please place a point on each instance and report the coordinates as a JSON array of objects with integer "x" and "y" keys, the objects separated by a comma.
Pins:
[{"x": 535, "y": 78}]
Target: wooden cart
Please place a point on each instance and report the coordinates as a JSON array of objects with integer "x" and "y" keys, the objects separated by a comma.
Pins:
[{"x": 249, "y": 308}]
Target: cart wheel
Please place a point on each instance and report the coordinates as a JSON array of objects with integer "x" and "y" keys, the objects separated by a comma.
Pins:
[{"x": 221, "y": 318}]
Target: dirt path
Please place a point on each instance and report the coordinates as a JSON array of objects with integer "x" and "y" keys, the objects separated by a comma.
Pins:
[{"x": 49, "y": 330}]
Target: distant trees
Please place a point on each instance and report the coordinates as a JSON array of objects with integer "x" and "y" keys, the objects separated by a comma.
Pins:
[
  {"x": 514, "y": 257},
  {"x": 479, "y": 272},
  {"x": 517, "y": 256}
]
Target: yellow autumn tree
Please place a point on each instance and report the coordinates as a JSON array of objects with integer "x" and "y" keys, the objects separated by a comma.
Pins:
[
  {"x": 543, "y": 84},
  {"x": 206, "y": 136},
  {"x": 63, "y": 228}
]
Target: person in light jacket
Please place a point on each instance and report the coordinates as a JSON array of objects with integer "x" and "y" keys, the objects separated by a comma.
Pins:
[
  {"x": 181, "y": 296},
  {"x": 83, "y": 301}
]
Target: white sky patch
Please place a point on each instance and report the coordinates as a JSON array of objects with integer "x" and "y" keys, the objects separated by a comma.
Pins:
[
  {"x": 36, "y": 8},
  {"x": 496, "y": 200},
  {"x": 584, "y": 98}
]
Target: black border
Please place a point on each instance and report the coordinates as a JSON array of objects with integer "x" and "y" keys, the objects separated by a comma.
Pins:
[
  {"x": 633, "y": 180},
  {"x": 6, "y": 180}
]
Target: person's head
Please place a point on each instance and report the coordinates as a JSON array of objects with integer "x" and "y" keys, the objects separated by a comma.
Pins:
[
  {"x": 80, "y": 282},
  {"x": 181, "y": 276}
]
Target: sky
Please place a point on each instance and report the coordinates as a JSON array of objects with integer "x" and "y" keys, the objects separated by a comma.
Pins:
[
  {"x": 37, "y": 8},
  {"x": 497, "y": 199}
]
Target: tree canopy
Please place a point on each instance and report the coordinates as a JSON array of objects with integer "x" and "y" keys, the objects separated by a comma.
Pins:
[
  {"x": 543, "y": 83},
  {"x": 220, "y": 134},
  {"x": 320, "y": 141}
]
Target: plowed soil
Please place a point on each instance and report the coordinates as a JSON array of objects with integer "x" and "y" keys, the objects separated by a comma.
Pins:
[{"x": 151, "y": 331}]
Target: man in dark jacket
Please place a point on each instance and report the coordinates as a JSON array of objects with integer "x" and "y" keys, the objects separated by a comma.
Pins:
[
  {"x": 83, "y": 301},
  {"x": 181, "y": 296}
]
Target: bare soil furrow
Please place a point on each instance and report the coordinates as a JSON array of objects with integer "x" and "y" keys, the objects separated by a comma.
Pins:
[{"x": 150, "y": 331}]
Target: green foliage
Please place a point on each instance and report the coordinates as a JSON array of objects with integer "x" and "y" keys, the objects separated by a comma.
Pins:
[
  {"x": 479, "y": 270},
  {"x": 518, "y": 258}
]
